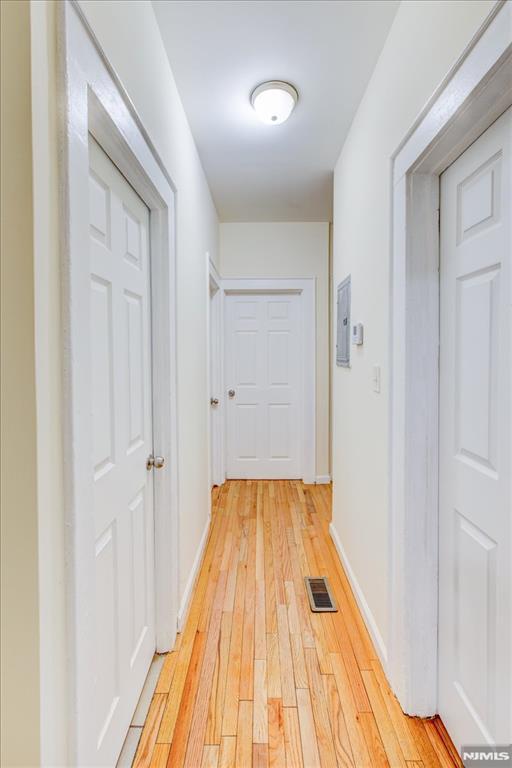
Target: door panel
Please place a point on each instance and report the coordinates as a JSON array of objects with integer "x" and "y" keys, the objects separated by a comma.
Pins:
[
  {"x": 475, "y": 459},
  {"x": 475, "y": 620},
  {"x": 101, "y": 369},
  {"x": 107, "y": 672},
  {"x": 120, "y": 345},
  {"x": 263, "y": 367},
  {"x": 477, "y": 330},
  {"x": 246, "y": 356},
  {"x": 138, "y": 515},
  {"x": 279, "y": 418}
]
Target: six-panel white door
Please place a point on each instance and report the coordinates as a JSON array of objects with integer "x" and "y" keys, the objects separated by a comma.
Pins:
[
  {"x": 121, "y": 417},
  {"x": 475, "y": 590},
  {"x": 264, "y": 372}
]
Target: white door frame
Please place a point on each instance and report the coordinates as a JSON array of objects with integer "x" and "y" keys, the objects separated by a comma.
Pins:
[
  {"x": 95, "y": 102},
  {"x": 306, "y": 288},
  {"x": 476, "y": 91},
  {"x": 215, "y": 373}
]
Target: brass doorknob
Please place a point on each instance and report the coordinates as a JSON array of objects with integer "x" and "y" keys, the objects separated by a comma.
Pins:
[{"x": 154, "y": 461}]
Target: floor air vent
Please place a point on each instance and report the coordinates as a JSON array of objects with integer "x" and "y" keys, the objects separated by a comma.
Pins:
[{"x": 319, "y": 593}]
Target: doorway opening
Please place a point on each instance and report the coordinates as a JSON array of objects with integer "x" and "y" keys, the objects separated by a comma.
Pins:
[
  {"x": 472, "y": 97},
  {"x": 120, "y": 201},
  {"x": 215, "y": 376}
]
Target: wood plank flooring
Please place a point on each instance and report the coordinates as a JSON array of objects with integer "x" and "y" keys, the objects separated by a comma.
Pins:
[{"x": 258, "y": 680}]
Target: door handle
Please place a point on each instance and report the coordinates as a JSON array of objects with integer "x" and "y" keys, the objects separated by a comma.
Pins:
[
  {"x": 231, "y": 392},
  {"x": 214, "y": 400},
  {"x": 154, "y": 461}
]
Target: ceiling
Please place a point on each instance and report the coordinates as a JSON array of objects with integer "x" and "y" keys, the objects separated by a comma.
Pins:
[{"x": 220, "y": 50}]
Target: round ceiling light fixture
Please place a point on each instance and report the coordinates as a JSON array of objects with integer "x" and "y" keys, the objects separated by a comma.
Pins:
[{"x": 274, "y": 101}]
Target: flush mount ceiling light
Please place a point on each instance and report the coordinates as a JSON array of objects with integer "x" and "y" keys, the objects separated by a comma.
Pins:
[{"x": 274, "y": 101}]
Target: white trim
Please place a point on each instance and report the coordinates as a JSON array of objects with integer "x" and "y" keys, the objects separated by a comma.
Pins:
[
  {"x": 96, "y": 102},
  {"x": 208, "y": 381},
  {"x": 214, "y": 274},
  {"x": 475, "y": 93},
  {"x": 362, "y": 603},
  {"x": 457, "y": 90},
  {"x": 215, "y": 318},
  {"x": 323, "y": 479},
  {"x": 192, "y": 578},
  {"x": 306, "y": 287}
]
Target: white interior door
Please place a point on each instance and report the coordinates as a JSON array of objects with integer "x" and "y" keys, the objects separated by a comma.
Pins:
[
  {"x": 120, "y": 404},
  {"x": 475, "y": 589},
  {"x": 264, "y": 373}
]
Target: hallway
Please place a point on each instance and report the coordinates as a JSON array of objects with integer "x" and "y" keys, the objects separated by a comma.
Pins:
[
  {"x": 264, "y": 247},
  {"x": 256, "y": 678}
]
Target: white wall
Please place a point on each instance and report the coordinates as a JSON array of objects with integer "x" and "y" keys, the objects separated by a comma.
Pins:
[
  {"x": 128, "y": 33},
  {"x": 19, "y": 706},
  {"x": 426, "y": 39},
  {"x": 289, "y": 249}
]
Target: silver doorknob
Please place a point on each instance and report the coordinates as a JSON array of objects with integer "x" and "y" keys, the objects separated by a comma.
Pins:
[
  {"x": 214, "y": 400},
  {"x": 231, "y": 392},
  {"x": 154, "y": 461}
]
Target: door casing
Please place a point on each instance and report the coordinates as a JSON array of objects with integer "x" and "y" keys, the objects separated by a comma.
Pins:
[
  {"x": 95, "y": 102},
  {"x": 215, "y": 369},
  {"x": 475, "y": 92}
]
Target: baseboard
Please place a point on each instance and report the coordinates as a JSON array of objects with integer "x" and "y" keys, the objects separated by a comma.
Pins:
[
  {"x": 368, "y": 616},
  {"x": 191, "y": 581},
  {"x": 323, "y": 479}
]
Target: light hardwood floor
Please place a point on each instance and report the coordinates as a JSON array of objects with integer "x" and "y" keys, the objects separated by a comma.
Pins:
[{"x": 256, "y": 679}]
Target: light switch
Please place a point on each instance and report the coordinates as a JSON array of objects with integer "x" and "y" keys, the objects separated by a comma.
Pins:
[{"x": 376, "y": 378}]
